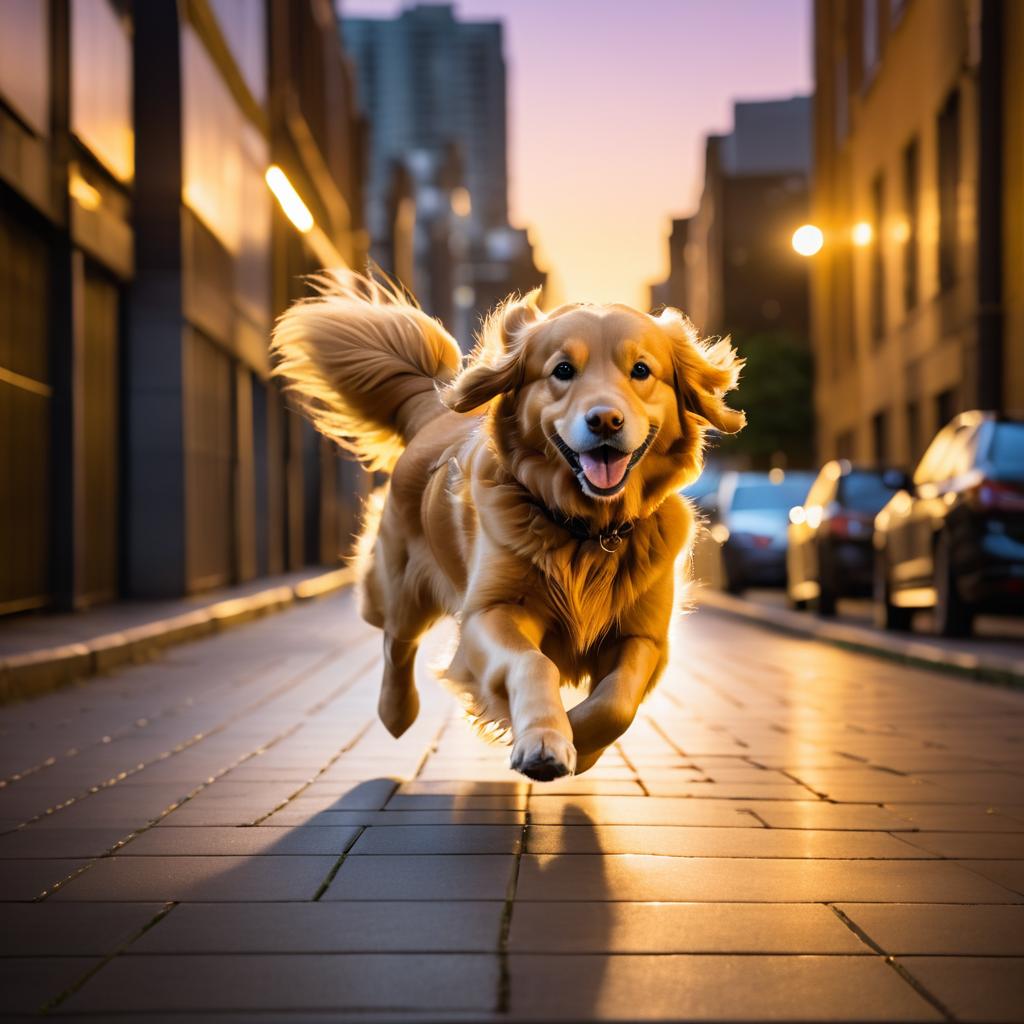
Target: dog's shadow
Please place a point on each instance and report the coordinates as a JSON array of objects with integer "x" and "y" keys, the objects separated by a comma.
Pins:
[{"x": 562, "y": 920}]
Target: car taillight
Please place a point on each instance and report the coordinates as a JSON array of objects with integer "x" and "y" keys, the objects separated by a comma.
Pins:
[
  {"x": 996, "y": 496},
  {"x": 847, "y": 527}
]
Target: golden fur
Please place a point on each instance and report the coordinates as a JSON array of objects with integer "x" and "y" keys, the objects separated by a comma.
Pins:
[{"x": 496, "y": 513}]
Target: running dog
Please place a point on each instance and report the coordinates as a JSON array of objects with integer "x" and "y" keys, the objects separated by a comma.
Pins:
[{"x": 533, "y": 496}]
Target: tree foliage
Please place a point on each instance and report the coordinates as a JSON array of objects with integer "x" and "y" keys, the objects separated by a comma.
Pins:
[{"x": 776, "y": 393}]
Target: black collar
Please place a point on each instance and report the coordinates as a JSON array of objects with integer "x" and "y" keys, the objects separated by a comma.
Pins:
[{"x": 579, "y": 529}]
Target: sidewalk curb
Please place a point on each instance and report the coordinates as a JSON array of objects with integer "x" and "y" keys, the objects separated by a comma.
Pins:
[
  {"x": 917, "y": 651},
  {"x": 40, "y": 671}
]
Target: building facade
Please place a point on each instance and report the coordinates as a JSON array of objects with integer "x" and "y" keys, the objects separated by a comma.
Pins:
[
  {"x": 732, "y": 267},
  {"x": 916, "y": 297},
  {"x": 142, "y": 260}
]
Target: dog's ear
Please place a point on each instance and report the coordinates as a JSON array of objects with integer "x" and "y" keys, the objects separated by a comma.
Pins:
[
  {"x": 705, "y": 372},
  {"x": 498, "y": 363}
]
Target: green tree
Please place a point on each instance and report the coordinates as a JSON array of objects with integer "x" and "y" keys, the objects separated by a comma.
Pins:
[{"x": 775, "y": 391}]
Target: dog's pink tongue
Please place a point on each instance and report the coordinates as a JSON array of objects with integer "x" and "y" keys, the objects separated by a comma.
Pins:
[{"x": 604, "y": 467}]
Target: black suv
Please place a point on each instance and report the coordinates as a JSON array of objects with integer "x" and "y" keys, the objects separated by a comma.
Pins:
[{"x": 952, "y": 538}]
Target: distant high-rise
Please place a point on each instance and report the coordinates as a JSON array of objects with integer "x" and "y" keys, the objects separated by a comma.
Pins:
[{"x": 426, "y": 82}]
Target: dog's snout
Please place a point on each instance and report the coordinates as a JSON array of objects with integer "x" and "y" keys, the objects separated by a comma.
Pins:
[{"x": 604, "y": 421}]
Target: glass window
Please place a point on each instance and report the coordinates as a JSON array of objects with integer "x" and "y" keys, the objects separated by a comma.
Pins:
[
  {"x": 212, "y": 128},
  {"x": 877, "y": 258},
  {"x": 101, "y": 85},
  {"x": 1007, "y": 450},
  {"x": 243, "y": 24},
  {"x": 25, "y": 61},
  {"x": 949, "y": 186},
  {"x": 252, "y": 274},
  {"x": 224, "y": 160},
  {"x": 783, "y": 495},
  {"x": 863, "y": 492},
  {"x": 869, "y": 39},
  {"x": 909, "y": 234}
]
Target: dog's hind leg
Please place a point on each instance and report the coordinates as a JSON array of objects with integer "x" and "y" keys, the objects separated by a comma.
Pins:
[{"x": 408, "y": 618}]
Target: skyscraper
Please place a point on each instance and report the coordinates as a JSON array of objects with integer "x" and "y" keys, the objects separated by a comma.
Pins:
[{"x": 427, "y": 81}]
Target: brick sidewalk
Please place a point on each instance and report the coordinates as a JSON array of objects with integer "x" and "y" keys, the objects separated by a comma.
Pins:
[{"x": 789, "y": 831}]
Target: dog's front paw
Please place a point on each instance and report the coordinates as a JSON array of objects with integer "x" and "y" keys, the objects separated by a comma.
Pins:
[{"x": 543, "y": 755}]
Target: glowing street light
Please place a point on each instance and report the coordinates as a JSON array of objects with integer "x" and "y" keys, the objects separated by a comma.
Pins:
[
  {"x": 808, "y": 240},
  {"x": 863, "y": 234},
  {"x": 294, "y": 208}
]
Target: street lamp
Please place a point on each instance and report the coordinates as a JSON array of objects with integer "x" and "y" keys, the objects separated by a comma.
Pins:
[
  {"x": 862, "y": 234},
  {"x": 808, "y": 240}
]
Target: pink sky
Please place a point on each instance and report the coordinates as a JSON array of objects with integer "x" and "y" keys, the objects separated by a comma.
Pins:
[{"x": 609, "y": 103}]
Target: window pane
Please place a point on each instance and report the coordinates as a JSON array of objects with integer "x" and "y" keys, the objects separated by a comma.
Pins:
[
  {"x": 212, "y": 126},
  {"x": 101, "y": 85},
  {"x": 244, "y": 26},
  {"x": 25, "y": 61},
  {"x": 864, "y": 492},
  {"x": 1007, "y": 452}
]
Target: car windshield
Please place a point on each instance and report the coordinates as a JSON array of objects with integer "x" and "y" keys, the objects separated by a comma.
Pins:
[
  {"x": 1007, "y": 452},
  {"x": 863, "y": 492},
  {"x": 783, "y": 496}
]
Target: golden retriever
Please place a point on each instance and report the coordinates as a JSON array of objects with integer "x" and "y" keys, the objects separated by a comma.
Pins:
[{"x": 533, "y": 496}]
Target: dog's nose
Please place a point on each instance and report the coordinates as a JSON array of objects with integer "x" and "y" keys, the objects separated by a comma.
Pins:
[{"x": 604, "y": 421}]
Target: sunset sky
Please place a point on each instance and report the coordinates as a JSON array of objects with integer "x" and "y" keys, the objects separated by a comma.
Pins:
[{"x": 609, "y": 103}]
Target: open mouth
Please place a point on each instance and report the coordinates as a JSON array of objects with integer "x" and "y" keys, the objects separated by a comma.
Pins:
[{"x": 603, "y": 470}]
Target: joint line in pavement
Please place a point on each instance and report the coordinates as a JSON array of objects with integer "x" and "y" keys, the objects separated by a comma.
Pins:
[{"x": 892, "y": 962}]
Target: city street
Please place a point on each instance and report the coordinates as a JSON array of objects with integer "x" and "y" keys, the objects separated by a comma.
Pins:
[{"x": 787, "y": 832}]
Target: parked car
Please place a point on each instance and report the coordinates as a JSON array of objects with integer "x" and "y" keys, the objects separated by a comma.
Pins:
[
  {"x": 750, "y": 526},
  {"x": 952, "y": 538},
  {"x": 829, "y": 553}
]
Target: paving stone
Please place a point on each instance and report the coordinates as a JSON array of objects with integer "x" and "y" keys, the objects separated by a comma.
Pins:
[
  {"x": 821, "y": 815},
  {"x": 439, "y": 817},
  {"x": 437, "y": 839},
  {"x": 26, "y": 879},
  {"x": 85, "y": 843},
  {"x": 941, "y": 930},
  {"x": 1009, "y": 873},
  {"x": 728, "y": 988},
  {"x": 425, "y": 877},
  {"x": 622, "y": 810},
  {"x": 730, "y": 790},
  {"x": 70, "y": 929},
  {"x": 463, "y": 787},
  {"x": 28, "y": 983},
  {"x": 228, "y": 841},
  {"x": 619, "y": 927},
  {"x": 301, "y": 982},
  {"x": 681, "y": 841},
  {"x": 639, "y": 877},
  {"x": 381, "y": 926},
  {"x": 119, "y": 879},
  {"x": 447, "y": 801},
  {"x": 929, "y": 818},
  {"x": 978, "y": 989},
  {"x": 969, "y": 845}
]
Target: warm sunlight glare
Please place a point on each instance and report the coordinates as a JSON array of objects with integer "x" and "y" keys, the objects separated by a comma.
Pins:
[{"x": 294, "y": 208}]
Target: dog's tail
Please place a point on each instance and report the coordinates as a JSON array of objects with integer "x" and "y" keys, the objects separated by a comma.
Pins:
[{"x": 364, "y": 362}]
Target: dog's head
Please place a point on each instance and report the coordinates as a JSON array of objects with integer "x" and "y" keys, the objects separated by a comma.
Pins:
[{"x": 598, "y": 410}]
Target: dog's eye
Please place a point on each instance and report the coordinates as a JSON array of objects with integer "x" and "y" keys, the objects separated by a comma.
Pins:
[
  {"x": 640, "y": 371},
  {"x": 564, "y": 371}
]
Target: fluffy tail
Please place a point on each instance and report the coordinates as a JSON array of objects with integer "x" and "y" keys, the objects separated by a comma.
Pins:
[{"x": 363, "y": 363}]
